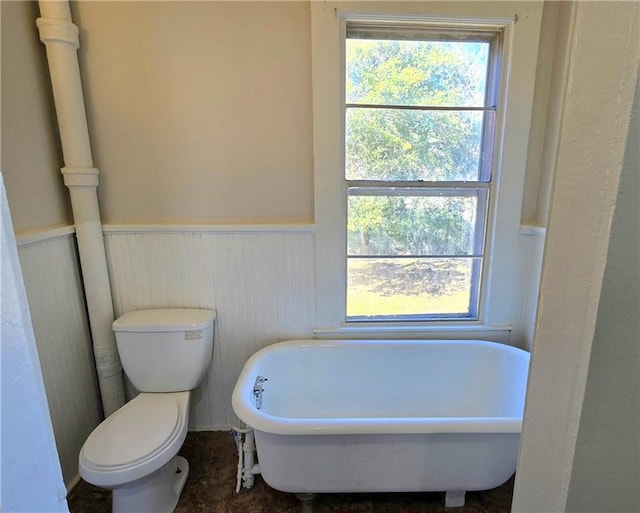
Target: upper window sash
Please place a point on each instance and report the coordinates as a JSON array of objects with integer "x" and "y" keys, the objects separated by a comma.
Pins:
[
  {"x": 419, "y": 33},
  {"x": 368, "y": 101}
]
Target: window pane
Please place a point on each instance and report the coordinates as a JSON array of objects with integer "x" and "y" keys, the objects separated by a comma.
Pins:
[
  {"x": 414, "y": 222},
  {"x": 412, "y": 288},
  {"x": 388, "y": 144},
  {"x": 433, "y": 73}
]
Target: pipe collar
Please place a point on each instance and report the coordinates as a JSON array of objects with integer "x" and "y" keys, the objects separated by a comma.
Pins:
[
  {"x": 80, "y": 176},
  {"x": 109, "y": 364},
  {"x": 53, "y": 30}
]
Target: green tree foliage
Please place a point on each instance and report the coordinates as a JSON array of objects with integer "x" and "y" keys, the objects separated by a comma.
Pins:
[
  {"x": 398, "y": 145},
  {"x": 411, "y": 225}
]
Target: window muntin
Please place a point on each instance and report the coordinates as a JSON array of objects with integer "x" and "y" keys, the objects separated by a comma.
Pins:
[{"x": 419, "y": 139}]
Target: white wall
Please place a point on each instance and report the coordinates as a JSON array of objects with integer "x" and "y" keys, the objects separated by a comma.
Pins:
[
  {"x": 593, "y": 131},
  {"x": 609, "y": 434},
  {"x": 206, "y": 104},
  {"x": 530, "y": 254},
  {"x": 31, "y": 154},
  {"x": 56, "y": 301},
  {"x": 541, "y": 161},
  {"x": 547, "y": 103},
  {"x": 30, "y": 476},
  {"x": 31, "y": 160}
]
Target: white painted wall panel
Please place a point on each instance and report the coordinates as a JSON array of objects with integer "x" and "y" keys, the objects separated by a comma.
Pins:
[
  {"x": 56, "y": 300},
  {"x": 261, "y": 282},
  {"x": 530, "y": 253}
]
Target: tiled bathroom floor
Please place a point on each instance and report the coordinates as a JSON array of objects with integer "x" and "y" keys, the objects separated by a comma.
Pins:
[{"x": 210, "y": 489}]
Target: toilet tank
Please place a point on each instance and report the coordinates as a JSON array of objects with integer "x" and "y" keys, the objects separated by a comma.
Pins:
[{"x": 165, "y": 350}]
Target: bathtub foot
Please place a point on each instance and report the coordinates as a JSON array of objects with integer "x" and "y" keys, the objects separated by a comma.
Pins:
[
  {"x": 454, "y": 499},
  {"x": 307, "y": 501}
]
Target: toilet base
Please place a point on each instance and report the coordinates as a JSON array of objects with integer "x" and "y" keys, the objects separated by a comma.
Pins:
[{"x": 156, "y": 493}]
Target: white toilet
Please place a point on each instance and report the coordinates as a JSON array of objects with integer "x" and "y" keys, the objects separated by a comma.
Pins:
[{"x": 165, "y": 354}]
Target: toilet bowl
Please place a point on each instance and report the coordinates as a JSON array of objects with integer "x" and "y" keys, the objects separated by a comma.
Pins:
[
  {"x": 134, "y": 451},
  {"x": 133, "y": 446}
]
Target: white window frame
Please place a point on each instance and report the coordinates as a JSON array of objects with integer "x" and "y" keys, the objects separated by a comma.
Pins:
[{"x": 520, "y": 24}]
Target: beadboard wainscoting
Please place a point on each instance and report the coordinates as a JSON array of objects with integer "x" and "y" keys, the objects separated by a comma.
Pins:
[
  {"x": 259, "y": 279},
  {"x": 52, "y": 280}
]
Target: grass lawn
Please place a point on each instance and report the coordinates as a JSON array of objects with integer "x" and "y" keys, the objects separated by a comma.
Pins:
[{"x": 384, "y": 287}]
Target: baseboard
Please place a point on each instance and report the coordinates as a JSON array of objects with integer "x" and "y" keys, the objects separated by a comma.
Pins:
[
  {"x": 199, "y": 429},
  {"x": 73, "y": 483}
]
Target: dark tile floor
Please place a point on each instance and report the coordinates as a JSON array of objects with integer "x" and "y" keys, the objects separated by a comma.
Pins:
[{"x": 211, "y": 484}]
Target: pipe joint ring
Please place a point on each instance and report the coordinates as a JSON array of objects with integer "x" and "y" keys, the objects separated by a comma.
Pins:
[
  {"x": 109, "y": 372},
  {"x": 80, "y": 176},
  {"x": 53, "y": 30},
  {"x": 108, "y": 363}
]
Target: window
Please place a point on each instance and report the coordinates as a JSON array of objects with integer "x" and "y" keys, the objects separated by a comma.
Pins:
[
  {"x": 390, "y": 157},
  {"x": 419, "y": 117}
]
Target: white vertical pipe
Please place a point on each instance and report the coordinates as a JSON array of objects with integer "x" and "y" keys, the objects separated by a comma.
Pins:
[
  {"x": 60, "y": 37},
  {"x": 249, "y": 448}
]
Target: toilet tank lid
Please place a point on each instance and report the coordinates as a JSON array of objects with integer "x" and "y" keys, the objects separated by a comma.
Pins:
[{"x": 165, "y": 319}]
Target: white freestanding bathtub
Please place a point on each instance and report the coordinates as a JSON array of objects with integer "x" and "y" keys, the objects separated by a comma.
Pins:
[{"x": 383, "y": 416}]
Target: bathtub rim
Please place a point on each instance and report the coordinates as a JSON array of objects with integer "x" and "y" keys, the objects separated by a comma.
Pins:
[{"x": 259, "y": 420}]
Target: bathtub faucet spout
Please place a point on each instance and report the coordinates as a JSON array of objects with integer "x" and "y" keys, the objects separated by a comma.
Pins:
[{"x": 258, "y": 388}]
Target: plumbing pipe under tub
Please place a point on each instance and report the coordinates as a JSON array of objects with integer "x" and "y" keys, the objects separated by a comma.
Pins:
[
  {"x": 251, "y": 468},
  {"x": 247, "y": 466}
]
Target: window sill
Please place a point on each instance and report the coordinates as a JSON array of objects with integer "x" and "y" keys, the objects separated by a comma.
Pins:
[{"x": 468, "y": 330}]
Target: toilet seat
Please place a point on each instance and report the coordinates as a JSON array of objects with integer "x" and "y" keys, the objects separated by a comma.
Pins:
[
  {"x": 136, "y": 440},
  {"x": 133, "y": 433}
]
